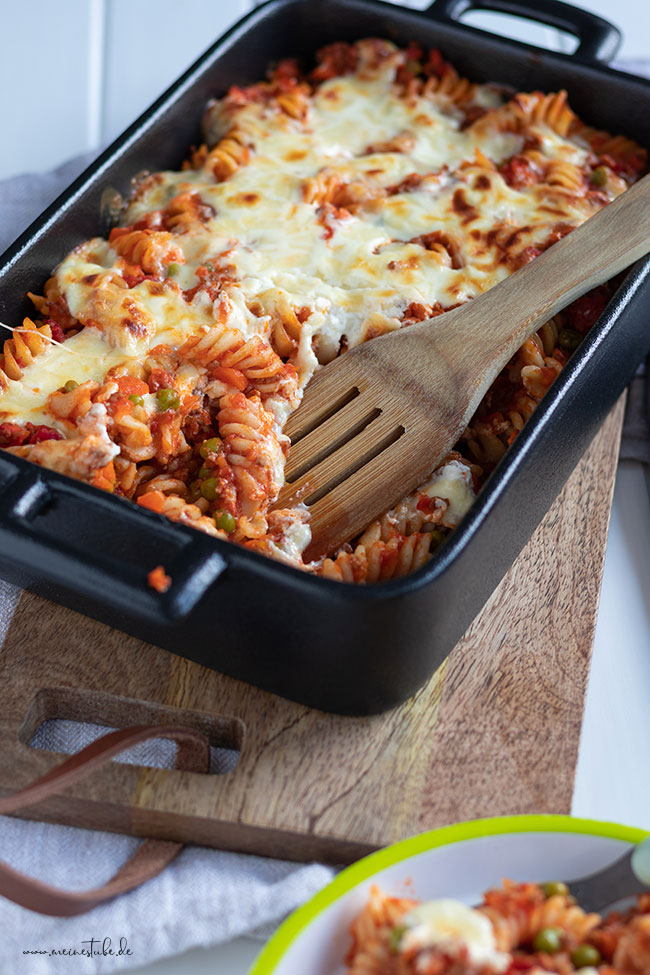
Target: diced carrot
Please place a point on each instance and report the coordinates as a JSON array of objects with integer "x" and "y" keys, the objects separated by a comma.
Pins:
[
  {"x": 131, "y": 386},
  {"x": 104, "y": 477},
  {"x": 232, "y": 377},
  {"x": 190, "y": 402},
  {"x": 158, "y": 579},
  {"x": 154, "y": 500}
]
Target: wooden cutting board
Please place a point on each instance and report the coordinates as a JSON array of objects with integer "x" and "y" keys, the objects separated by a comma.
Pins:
[{"x": 495, "y": 731}]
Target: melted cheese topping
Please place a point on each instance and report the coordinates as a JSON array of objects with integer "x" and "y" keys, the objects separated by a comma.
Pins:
[
  {"x": 451, "y": 926},
  {"x": 453, "y": 483},
  {"x": 315, "y": 220},
  {"x": 367, "y": 272},
  {"x": 356, "y": 271},
  {"x": 82, "y": 357}
]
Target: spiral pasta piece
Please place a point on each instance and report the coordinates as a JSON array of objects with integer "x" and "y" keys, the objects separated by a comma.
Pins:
[
  {"x": 152, "y": 250},
  {"x": 566, "y": 175},
  {"x": 254, "y": 456},
  {"x": 457, "y": 89},
  {"x": 329, "y": 187},
  {"x": 228, "y": 155},
  {"x": 52, "y": 305},
  {"x": 22, "y": 348},
  {"x": 186, "y": 213},
  {"x": 250, "y": 363},
  {"x": 176, "y": 509},
  {"x": 294, "y": 101},
  {"x": 370, "y": 953},
  {"x": 518, "y": 912},
  {"x": 379, "y": 561}
]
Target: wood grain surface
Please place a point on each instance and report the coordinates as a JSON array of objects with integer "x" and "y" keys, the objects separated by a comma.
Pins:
[{"x": 494, "y": 731}]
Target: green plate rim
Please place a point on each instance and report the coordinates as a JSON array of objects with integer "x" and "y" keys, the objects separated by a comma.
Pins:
[{"x": 364, "y": 869}]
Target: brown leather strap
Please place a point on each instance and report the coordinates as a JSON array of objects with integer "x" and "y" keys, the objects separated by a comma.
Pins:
[{"x": 193, "y": 755}]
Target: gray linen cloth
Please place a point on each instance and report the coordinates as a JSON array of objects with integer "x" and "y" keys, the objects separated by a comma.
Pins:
[{"x": 205, "y": 897}]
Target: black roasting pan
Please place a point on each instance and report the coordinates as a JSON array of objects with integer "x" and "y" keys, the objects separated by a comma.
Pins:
[{"x": 333, "y": 646}]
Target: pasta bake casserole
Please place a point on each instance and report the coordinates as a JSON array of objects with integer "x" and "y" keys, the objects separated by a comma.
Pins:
[{"x": 324, "y": 209}]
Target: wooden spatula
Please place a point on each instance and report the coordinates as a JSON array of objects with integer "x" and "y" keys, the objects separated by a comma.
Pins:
[{"x": 377, "y": 420}]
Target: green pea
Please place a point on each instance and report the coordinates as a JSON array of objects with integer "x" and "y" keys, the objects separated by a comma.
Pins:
[
  {"x": 209, "y": 267},
  {"x": 548, "y": 940},
  {"x": 209, "y": 447},
  {"x": 225, "y": 521},
  {"x": 599, "y": 176},
  {"x": 70, "y": 385},
  {"x": 168, "y": 399},
  {"x": 173, "y": 268},
  {"x": 395, "y": 938},
  {"x": 554, "y": 887},
  {"x": 585, "y": 956},
  {"x": 209, "y": 489},
  {"x": 437, "y": 536},
  {"x": 569, "y": 339},
  {"x": 205, "y": 471},
  {"x": 137, "y": 400}
]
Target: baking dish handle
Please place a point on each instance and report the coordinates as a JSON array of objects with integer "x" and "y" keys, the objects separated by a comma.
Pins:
[
  {"x": 65, "y": 556},
  {"x": 598, "y": 40}
]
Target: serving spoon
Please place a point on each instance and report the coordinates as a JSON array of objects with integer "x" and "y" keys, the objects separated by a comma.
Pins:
[{"x": 377, "y": 420}]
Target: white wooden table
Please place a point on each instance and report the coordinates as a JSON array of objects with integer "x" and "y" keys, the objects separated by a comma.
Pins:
[{"x": 95, "y": 82}]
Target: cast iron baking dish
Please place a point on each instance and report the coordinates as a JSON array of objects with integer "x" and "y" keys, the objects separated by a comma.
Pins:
[{"x": 333, "y": 646}]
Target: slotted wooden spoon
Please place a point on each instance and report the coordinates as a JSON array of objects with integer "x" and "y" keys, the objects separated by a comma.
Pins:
[{"x": 377, "y": 420}]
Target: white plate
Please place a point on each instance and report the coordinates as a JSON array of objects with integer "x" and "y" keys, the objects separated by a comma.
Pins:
[{"x": 459, "y": 861}]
